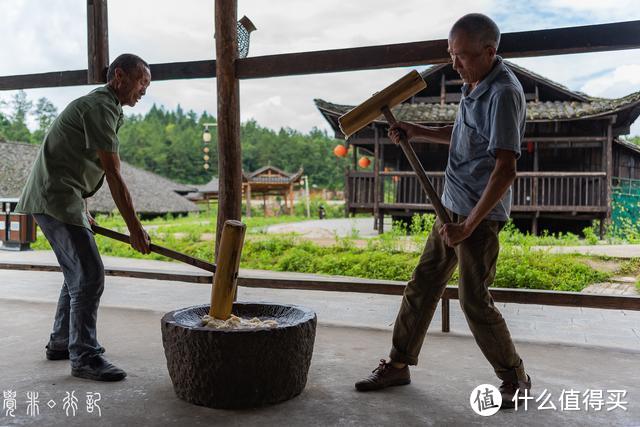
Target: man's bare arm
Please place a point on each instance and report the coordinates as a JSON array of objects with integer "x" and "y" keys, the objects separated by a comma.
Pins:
[
  {"x": 502, "y": 177},
  {"x": 120, "y": 193},
  {"x": 439, "y": 135}
]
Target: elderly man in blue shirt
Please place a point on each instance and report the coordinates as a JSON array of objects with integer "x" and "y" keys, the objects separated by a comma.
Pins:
[{"x": 484, "y": 145}]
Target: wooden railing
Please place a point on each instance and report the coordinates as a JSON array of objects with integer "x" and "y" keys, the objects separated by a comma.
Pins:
[
  {"x": 574, "y": 191},
  {"x": 317, "y": 282},
  {"x": 532, "y": 191}
]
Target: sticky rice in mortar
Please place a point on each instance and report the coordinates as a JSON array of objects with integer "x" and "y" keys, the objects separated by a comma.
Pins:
[{"x": 235, "y": 322}]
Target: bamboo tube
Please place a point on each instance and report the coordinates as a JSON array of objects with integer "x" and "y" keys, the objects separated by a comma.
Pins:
[{"x": 225, "y": 279}]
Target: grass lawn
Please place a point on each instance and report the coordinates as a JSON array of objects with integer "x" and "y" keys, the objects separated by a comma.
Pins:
[{"x": 384, "y": 257}]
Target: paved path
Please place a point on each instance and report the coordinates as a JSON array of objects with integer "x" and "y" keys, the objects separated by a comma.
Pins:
[{"x": 328, "y": 228}]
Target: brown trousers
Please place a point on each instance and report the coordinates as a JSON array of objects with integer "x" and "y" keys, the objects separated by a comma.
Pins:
[{"x": 476, "y": 257}]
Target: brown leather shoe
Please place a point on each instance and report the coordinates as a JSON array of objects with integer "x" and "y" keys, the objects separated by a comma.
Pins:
[
  {"x": 508, "y": 390},
  {"x": 385, "y": 375}
]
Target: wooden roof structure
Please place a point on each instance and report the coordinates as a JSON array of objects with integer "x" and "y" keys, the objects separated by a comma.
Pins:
[
  {"x": 229, "y": 69},
  {"x": 270, "y": 180},
  {"x": 546, "y": 101}
]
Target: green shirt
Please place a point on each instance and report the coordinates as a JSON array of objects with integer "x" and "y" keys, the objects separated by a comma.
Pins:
[{"x": 67, "y": 169}]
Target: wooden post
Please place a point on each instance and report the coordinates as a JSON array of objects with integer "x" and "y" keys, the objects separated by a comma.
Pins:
[
  {"x": 376, "y": 176},
  {"x": 347, "y": 192},
  {"x": 609, "y": 164},
  {"x": 264, "y": 204},
  {"x": 248, "y": 214},
  {"x": 444, "y": 305},
  {"x": 534, "y": 189},
  {"x": 381, "y": 192},
  {"x": 225, "y": 279},
  {"x": 291, "y": 199},
  {"x": 229, "y": 154},
  {"x": 97, "y": 41}
]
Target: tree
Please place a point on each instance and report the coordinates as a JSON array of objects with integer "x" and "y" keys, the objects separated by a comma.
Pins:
[
  {"x": 170, "y": 144},
  {"x": 18, "y": 130},
  {"x": 45, "y": 114}
]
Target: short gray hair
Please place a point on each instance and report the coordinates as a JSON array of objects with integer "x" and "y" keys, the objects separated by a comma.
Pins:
[
  {"x": 127, "y": 62},
  {"x": 479, "y": 26}
]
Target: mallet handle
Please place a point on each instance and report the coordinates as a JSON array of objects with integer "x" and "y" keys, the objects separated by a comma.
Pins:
[
  {"x": 179, "y": 256},
  {"x": 442, "y": 214}
]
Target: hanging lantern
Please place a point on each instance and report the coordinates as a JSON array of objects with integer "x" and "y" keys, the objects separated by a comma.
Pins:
[
  {"x": 340, "y": 150},
  {"x": 205, "y": 158},
  {"x": 364, "y": 162},
  {"x": 206, "y": 166}
]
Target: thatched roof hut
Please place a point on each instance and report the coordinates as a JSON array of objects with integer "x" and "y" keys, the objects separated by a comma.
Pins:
[{"x": 151, "y": 193}]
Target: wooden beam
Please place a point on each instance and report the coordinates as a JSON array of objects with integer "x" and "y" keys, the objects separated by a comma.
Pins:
[
  {"x": 229, "y": 154},
  {"x": 183, "y": 70},
  {"x": 97, "y": 41},
  {"x": 560, "y": 41},
  {"x": 54, "y": 79}
]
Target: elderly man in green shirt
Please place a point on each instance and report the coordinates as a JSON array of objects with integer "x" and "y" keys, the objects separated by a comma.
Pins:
[{"x": 79, "y": 151}]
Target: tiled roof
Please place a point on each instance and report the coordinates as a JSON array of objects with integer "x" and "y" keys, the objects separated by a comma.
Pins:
[
  {"x": 151, "y": 193},
  {"x": 536, "y": 111},
  {"x": 279, "y": 177}
]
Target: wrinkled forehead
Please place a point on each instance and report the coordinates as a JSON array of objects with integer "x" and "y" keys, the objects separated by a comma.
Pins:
[
  {"x": 462, "y": 40},
  {"x": 140, "y": 72}
]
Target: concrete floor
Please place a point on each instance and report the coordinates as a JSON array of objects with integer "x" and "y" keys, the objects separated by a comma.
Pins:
[
  {"x": 563, "y": 349},
  {"x": 451, "y": 366}
]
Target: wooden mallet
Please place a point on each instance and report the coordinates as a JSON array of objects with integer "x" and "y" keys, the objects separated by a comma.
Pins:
[
  {"x": 381, "y": 103},
  {"x": 226, "y": 270},
  {"x": 226, "y": 277}
]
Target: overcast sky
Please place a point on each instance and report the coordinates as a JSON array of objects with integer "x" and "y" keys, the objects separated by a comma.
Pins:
[{"x": 39, "y": 36}]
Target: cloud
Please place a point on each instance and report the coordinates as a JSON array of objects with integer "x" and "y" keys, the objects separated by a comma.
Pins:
[
  {"x": 610, "y": 10},
  {"x": 617, "y": 83}
]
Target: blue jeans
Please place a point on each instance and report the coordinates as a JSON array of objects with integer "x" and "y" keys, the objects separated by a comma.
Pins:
[{"x": 74, "y": 327}]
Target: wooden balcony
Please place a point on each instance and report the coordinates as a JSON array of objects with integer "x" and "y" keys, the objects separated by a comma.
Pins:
[{"x": 571, "y": 192}]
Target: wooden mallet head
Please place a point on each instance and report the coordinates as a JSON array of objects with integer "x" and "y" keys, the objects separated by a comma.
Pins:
[
  {"x": 389, "y": 97},
  {"x": 381, "y": 103}
]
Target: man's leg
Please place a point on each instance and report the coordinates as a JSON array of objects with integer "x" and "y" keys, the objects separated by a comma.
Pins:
[
  {"x": 477, "y": 256},
  {"x": 58, "y": 346},
  {"x": 421, "y": 296},
  {"x": 419, "y": 302},
  {"x": 82, "y": 267}
]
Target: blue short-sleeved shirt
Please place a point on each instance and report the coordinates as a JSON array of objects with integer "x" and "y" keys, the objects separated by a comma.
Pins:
[{"x": 491, "y": 117}]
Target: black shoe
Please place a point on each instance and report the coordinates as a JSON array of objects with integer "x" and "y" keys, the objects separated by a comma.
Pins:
[
  {"x": 63, "y": 354},
  {"x": 98, "y": 369},
  {"x": 508, "y": 390},
  {"x": 385, "y": 375}
]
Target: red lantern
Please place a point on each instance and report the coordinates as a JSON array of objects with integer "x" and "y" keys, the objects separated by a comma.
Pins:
[
  {"x": 364, "y": 162},
  {"x": 530, "y": 147},
  {"x": 340, "y": 150}
]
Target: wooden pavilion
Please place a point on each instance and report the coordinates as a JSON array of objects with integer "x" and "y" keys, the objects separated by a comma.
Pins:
[
  {"x": 270, "y": 181},
  {"x": 571, "y": 154}
]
